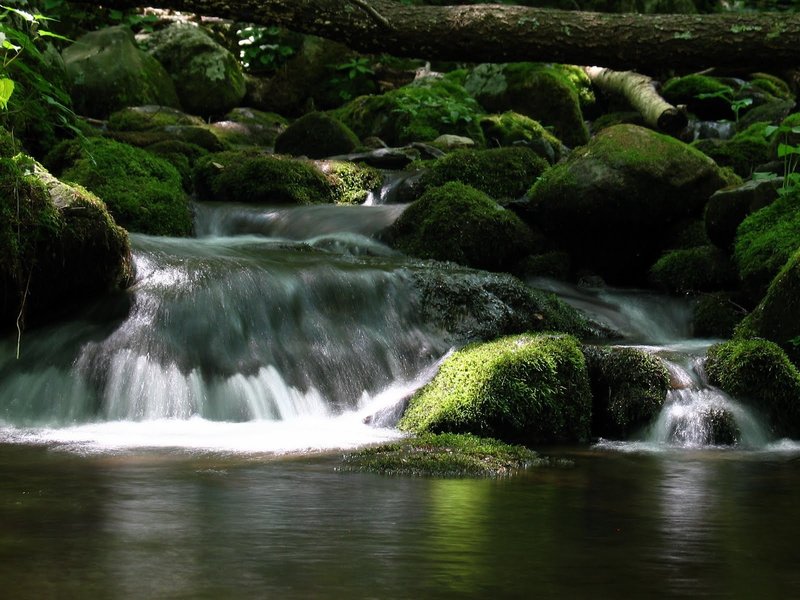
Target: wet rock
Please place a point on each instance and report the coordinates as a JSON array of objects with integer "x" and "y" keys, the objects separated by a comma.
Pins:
[{"x": 728, "y": 207}]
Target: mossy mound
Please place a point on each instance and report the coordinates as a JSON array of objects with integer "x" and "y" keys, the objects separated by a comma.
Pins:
[
  {"x": 143, "y": 192},
  {"x": 316, "y": 135},
  {"x": 418, "y": 112},
  {"x": 777, "y": 317},
  {"x": 716, "y": 316},
  {"x": 249, "y": 127},
  {"x": 456, "y": 222},
  {"x": 727, "y": 208},
  {"x": 190, "y": 134},
  {"x": 529, "y": 389},
  {"x": 510, "y": 128},
  {"x": 703, "y": 95},
  {"x": 181, "y": 155},
  {"x": 544, "y": 92},
  {"x": 613, "y": 204},
  {"x": 150, "y": 117},
  {"x": 759, "y": 373},
  {"x": 742, "y": 153},
  {"x": 443, "y": 455},
  {"x": 59, "y": 247},
  {"x": 700, "y": 269},
  {"x": 502, "y": 173},
  {"x": 628, "y": 389},
  {"x": 350, "y": 182},
  {"x": 9, "y": 146},
  {"x": 765, "y": 240},
  {"x": 243, "y": 176}
]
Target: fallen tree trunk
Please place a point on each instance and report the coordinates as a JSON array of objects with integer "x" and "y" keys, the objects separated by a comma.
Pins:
[
  {"x": 502, "y": 33},
  {"x": 640, "y": 92}
]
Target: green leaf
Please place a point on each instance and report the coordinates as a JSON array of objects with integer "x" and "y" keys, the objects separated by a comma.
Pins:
[
  {"x": 6, "y": 89},
  {"x": 786, "y": 150}
]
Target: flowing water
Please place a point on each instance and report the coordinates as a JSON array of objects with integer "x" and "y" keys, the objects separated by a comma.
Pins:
[{"x": 181, "y": 441}]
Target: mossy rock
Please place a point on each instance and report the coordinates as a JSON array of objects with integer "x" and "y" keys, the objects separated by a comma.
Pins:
[
  {"x": 443, "y": 455},
  {"x": 316, "y": 135},
  {"x": 456, "y": 222},
  {"x": 511, "y": 128},
  {"x": 728, "y": 207},
  {"x": 530, "y": 389},
  {"x": 777, "y": 317},
  {"x": 418, "y": 112},
  {"x": 700, "y": 269},
  {"x": 150, "y": 117},
  {"x": 628, "y": 385},
  {"x": 249, "y": 127},
  {"x": 144, "y": 193},
  {"x": 688, "y": 233},
  {"x": 501, "y": 173},
  {"x": 199, "y": 136},
  {"x": 244, "y": 176},
  {"x": 701, "y": 94},
  {"x": 471, "y": 305},
  {"x": 59, "y": 247},
  {"x": 743, "y": 153},
  {"x": 716, "y": 316},
  {"x": 350, "y": 182},
  {"x": 616, "y": 118},
  {"x": 544, "y": 92},
  {"x": 772, "y": 85},
  {"x": 765, "y": 240},
  {"x": 181, "y": 155},
  {"x": 758, "y": 372},
  {"x": 9, "y": 146},
  {"x": 613, "y": 204}
]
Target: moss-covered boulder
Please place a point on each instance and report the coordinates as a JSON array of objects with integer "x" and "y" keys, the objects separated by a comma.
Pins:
[
  {"x": 502, "y": 173},
  {"x": 530, "y": 389},
  {"x": 612, "y": 204},
  {"x": 418, "y": 112},
  {"x": 765, "y": 240},
  {"x": 207, "y": 77},
  {"x": 511, "y": 128},
  {"x": 728, "y": 207},
  {"x": 544, "y": 92},
  {"x": 716, "y": 316},
  {"x": 628, "y": 385},
  {"x": 181, "y": 155},
  {"x": 150, "y": 117},
  {"x": 700, "y": 269},
  {"x": 469, "y": 305},
  {"x": 456, "y": 222},
  {"x": 442, "y": 455},
  {"x": 59, "y": 247},
  {"x": 316, "y": 135},
  {"x": 703, "y": 95},
  {"x": 145, "y": 126},
  {"x": 107, "y": 71},
  {"x": 143, "y": 192},
  {"x": 351, "y": 183},
  {"x": 759, "y": 373},
  {"x": 777, "y": 317},
  {"x": 249, "y": 127},
  {"x": 743, "y": 153}
]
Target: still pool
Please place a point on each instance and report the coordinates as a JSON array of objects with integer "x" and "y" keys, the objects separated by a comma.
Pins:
[{"x": 613, "y": 524}]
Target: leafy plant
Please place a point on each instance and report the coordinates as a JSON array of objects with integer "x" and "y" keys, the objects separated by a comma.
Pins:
[
  {"x": 262, "y": 48},
  {"x": 790, "y": 153},
  {"x": 727, "y": 94},
  {"x": 352, "y": 76}
]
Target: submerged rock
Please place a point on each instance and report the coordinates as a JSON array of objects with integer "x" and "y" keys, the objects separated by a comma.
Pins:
[{"x": 529, "y": 389}]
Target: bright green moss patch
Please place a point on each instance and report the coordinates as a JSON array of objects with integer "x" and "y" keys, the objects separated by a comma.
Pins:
[
  {"x": 511, "y": 127},
  {"x": 522, "y": 389},
  {"x": 499, "y": 172},
  {"x": 142, "y": 192},
  {"x": 351, "y": 182},
  {"x": 458, "y": 223},
  {"x": 443, "y": 455}
]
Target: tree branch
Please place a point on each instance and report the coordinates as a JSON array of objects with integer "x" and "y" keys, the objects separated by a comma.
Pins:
[{"x": 372, "y": 12}]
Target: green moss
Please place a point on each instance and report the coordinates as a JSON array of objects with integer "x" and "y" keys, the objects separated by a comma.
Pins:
[
  {"x": 241, "y": 176},
  {"x": 8, "y": 144},
  {"x": 702, "y": 95},
  {"x": 772, "y": 85},
  {"x": 759, "y": 373},
  {"x": 142, "y": 192},
  {"x": 765, "y": 240},
  {"x": 418, "y": 112},
  {"x": 316, "y": 135},
  {"x": 199, "y": 136},
  {"x": 443, "y": 455},
  {"x": 458, "y": 223},
  {"x": 351, "y": 182},
  {"x": 548, "y": 264},
  {"x": 743, "y": 153},
  {"x": 499, "y": 172},
  {"x": 716, "y": 316},
  {"x": 526, "y": 388},
  {"x": 181, "y": 155},
  {"x": 628, "y": 389},
  {"x": 700, "y": 269},
  {"x": 149, "y": 118},
  {"x": 511, "y": 128}
]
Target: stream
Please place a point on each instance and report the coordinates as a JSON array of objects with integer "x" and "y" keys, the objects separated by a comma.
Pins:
[{"x": 180, "y": 441}]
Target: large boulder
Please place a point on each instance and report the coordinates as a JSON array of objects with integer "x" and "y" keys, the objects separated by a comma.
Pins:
[
  {"x": 249, "y": 127},
  {"x": 529, "y": 389},
  {"x": 143, "y": 192},
  {"x": 316, "y": 135},
  {"x": 511, "y": 128},
  {"x": 614, "y": 203},
  {"x": 458, "y": 223},
  {"x": 107, "y": 71},
  {"x": 550, "y": 94},
  {"x": 728, "y": 207},
  {"x": 59, "y": 247},
  {"x": 208, "y": 78}
]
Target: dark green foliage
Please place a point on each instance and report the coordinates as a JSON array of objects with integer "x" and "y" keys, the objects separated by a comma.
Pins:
[
  {"x": 142, "y": 192},
  {"x": 260, "y": 178},
  {"x": 716, "y": 316},
  {"x": 316, "y": 135},
  {"x": 8, "y": 144},
  {"x": 704, "y": 96},
  {"x": 758, "y": 372},
  {"x": 458, "y": 223},
  {"x": 498, "y": 172},
  {"x": 628, "y": 389},
  {"x": 443, "y": 455},
  {"x": 743, "y": 153},
  {"x": 765, "y": 240},
  {"x": 529, "y": 389},
  {"x": 418, "y": 112},
  {"x": 700, "y": 269}
]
